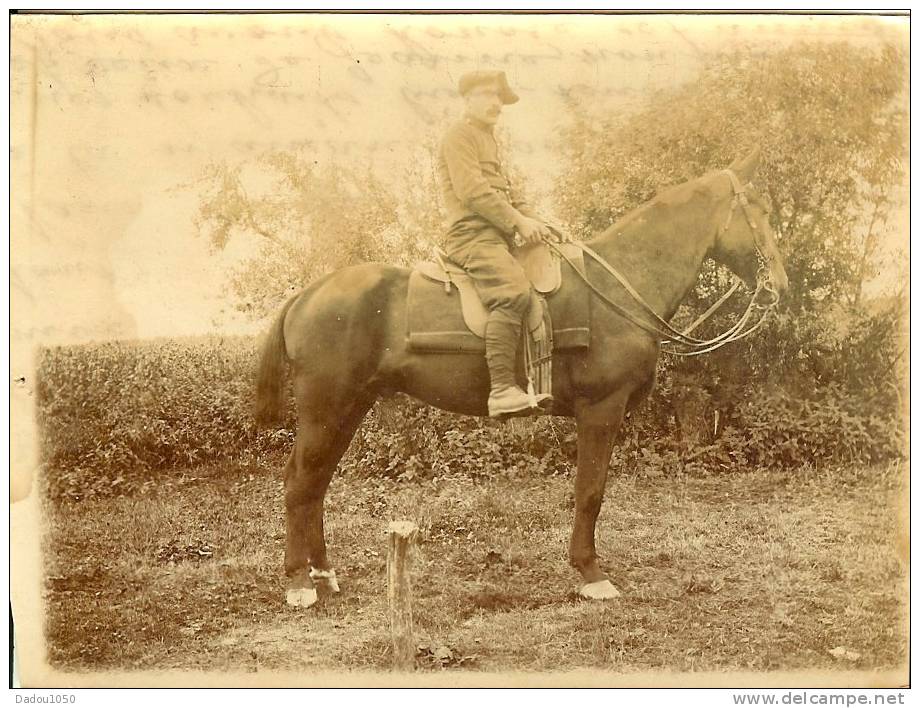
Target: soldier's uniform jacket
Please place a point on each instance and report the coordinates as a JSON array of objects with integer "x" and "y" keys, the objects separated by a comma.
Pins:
[{"x": 473, "y": 180}]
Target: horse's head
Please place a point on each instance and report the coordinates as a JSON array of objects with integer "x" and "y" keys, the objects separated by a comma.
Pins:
[{"x": 745, "y": 241}]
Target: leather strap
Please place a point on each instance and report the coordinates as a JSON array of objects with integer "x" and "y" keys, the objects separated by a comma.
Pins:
[{"x": 658, "y": 324}]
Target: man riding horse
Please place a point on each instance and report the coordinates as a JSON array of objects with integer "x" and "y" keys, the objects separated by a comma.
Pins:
[
  {"x": 343, "y": 338},
  {"x": 484, "y": 211}
]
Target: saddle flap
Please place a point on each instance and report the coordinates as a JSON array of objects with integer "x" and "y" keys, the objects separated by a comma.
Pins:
[{"x": 541, "y": 266}]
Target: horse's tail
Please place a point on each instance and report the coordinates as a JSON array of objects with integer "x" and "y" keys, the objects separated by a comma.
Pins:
[{"x": 270, "y": 378}]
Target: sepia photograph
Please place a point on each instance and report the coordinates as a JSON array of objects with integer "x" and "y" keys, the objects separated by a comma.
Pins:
[{"x": 460, "y": 349}]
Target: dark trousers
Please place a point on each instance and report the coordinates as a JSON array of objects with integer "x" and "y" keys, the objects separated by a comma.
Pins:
[{"x": 485, "y": 253}]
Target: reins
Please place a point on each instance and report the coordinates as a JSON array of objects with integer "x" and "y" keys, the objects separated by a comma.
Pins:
[{"x": 677, "y": 342}]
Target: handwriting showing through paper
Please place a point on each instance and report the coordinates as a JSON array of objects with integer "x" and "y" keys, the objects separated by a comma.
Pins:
[
  {"x": 325, "y": 73},
  {"x": 332, "y": 69}
]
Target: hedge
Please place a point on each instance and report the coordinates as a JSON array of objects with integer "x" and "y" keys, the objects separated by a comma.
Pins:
[{"x": 114, "y": 415}]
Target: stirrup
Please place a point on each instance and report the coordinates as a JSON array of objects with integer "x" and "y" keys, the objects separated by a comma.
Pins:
[
  {"x": 544, "y": 402},
  {"x": 541, "y": 402},
  {"x": 516, "y": 403}
]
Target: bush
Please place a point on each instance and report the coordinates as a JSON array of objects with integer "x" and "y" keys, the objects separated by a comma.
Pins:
[
  {"x": 768, "y": 430},
  {"x": 405, "y": 439},
  {"x": 112, "y": 415},
  {"x": 120, "y": 409}
]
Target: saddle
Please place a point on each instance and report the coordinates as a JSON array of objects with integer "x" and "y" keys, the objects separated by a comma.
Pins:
[{"x": 445, "y": 314}]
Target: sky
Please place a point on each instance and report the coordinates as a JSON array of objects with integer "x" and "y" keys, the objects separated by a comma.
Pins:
[{"x": 114, "y": 119}]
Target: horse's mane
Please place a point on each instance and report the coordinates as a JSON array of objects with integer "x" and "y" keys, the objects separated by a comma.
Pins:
[{"x": 666, "y": 198}]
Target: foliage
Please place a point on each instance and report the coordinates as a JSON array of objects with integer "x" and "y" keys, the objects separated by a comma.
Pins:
[
  {"x": 112, "y": 410},
  {"x": 831, "y": 120},
  {"x": 112, "y": 415},
  {"x": 300, "y": 219}
]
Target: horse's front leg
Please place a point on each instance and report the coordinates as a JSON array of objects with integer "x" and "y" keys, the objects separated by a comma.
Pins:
[{"x": 598, "y": 424}]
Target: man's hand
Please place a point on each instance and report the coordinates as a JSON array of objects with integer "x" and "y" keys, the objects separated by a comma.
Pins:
[{"x": 532, "y": 230}]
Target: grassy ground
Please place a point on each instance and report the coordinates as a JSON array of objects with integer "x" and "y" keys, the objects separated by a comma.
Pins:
[{"x": 751, "y": 571}]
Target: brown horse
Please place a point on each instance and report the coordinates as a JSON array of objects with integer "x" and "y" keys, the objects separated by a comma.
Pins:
[{"x": 344, "y": 337}]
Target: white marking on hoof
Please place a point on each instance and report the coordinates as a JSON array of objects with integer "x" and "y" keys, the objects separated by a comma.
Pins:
[
  {"x": 325, "y": 576},
  {"x": 301, "y": 597},
  {"x": 601, "y": 590}
]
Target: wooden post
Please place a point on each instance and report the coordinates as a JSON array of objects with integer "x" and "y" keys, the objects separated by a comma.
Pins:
[{"x": 400, "y": 536}]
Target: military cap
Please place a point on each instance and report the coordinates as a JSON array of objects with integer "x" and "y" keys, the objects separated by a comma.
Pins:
[{"x": 472, "y": 79}]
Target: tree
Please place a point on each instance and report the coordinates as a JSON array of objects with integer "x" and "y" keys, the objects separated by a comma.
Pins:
[
  {"x": 831, "y": 120},
  {"x": 301, "y": 218}
]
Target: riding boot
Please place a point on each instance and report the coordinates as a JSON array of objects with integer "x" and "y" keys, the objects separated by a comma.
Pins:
[{"x": 506, "y": 397}]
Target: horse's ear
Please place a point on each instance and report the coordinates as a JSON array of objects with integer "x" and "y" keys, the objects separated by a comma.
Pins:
[{"x": 746, "y": 166}]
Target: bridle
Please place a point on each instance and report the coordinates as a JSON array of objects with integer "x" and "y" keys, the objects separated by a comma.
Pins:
[
  {"x": 739, "y": 196},
  {"x": 679, "y": 342}
]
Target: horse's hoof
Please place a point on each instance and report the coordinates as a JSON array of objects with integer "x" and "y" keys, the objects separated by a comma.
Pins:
[
  {"x": 301, "y": 597},
  {"x": 600, "y": 590},
  {"x": 325, "y": 576}
]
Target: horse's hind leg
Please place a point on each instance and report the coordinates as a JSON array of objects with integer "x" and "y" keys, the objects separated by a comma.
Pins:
[{"x": 321, "y": 441}]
